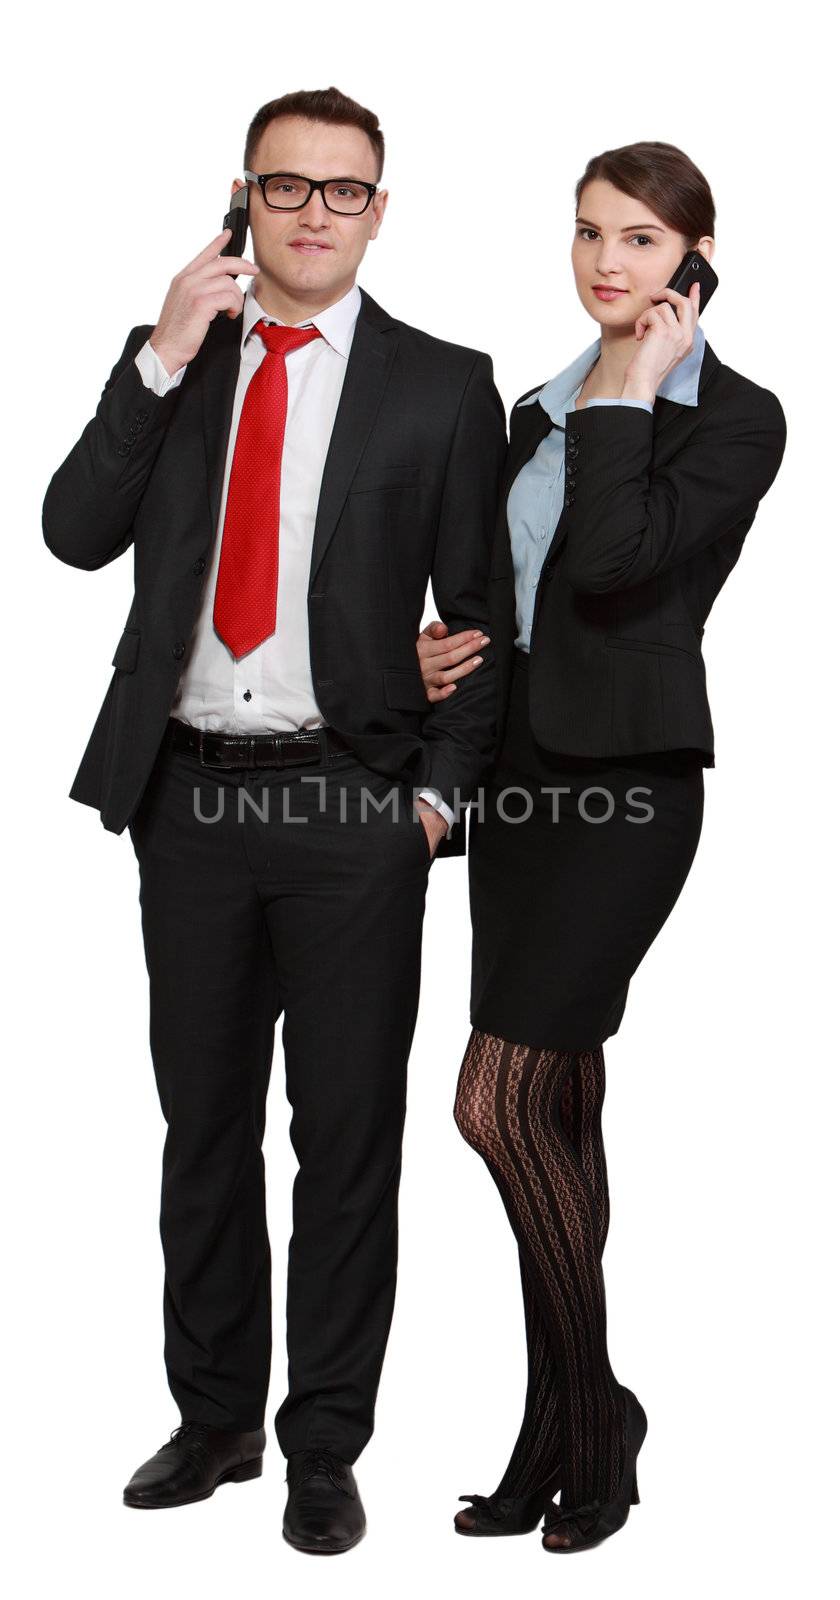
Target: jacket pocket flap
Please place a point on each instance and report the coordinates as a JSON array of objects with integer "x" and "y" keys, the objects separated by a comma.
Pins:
[
  {"x": 125, "y": 655},
  {"x": 624, "y": 642},
  {"x": 404, "y": 689},
  {"x": 368, "y": 480}
]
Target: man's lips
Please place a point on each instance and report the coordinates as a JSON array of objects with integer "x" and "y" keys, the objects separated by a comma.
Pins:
[{"x": 310, "y": 247}]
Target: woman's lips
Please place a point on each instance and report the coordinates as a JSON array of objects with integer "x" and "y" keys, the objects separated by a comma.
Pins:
[{"x": 608, "y": 294}]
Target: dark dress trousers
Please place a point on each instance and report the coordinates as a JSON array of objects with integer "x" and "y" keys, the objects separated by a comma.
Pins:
[
  {"x": 257, "y": 915},
  {"x": 612, "y": 695}
]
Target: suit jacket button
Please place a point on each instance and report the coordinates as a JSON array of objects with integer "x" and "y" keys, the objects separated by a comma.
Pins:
[
  {"x": 178, "y": 650},
  {"x": 199, "y": 565},
  {"x": 570, "y": 499}
]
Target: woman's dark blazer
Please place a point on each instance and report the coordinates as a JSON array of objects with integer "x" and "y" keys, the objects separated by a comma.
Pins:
[{"x": 656, "y": 510}]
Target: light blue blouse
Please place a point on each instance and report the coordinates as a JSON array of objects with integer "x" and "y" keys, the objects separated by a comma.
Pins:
[{"x": 536, "y": 498}]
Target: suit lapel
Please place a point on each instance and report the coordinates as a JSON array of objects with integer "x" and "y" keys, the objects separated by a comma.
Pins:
[
  {"x": 371, "y": 354},
  {"x": 666, "y": 411},
  {"x": 529, "y": 425},
  {"x": 219, "y": 373}
]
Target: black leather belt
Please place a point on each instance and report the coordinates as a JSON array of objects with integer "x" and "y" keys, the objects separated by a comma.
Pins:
[{"x": 253, "y": 749}]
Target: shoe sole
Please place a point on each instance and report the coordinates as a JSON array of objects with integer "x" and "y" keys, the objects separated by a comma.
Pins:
[
  {"x": 324, "y": 1547},
  {"x": 505, "y": 1533},
  {"x": 241, "y": 1474}
]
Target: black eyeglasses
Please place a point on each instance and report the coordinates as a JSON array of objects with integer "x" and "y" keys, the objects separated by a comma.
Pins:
[{"x": 290, "y": 191}]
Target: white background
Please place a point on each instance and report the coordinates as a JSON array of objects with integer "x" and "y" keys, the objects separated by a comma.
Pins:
[{"x": 124, "y": 126}]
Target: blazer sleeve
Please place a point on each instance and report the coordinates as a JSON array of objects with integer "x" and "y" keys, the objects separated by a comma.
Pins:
[
  {"x": 92, "y": 498},
  {"x": 627, "y": 522},
  {"x": 460, "y": 731}
]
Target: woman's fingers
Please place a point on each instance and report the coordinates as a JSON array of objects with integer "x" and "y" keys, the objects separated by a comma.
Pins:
[
  {"x": 435, "y": 654},
  {"x": 443, "y": 644},
  {"x": 683, "y": 310},
  {"x": 445, "y": 658},
  {"x": 439, "y": 669},
  {"x": 439, "y": 679}
]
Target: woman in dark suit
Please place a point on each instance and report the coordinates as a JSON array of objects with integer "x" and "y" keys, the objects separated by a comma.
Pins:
[{"x": 632, "y": 478}]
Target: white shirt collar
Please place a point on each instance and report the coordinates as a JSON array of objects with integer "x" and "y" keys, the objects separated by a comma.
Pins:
[{"x": 336, "y": 323}]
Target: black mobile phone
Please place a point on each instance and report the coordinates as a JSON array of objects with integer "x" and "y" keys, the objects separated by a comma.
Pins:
[
  {"x": 237, "y": 219},
  {"x": 694, "y": 268}
]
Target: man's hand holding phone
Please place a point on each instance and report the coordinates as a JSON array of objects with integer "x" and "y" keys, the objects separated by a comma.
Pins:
[{"x": 203, "y": 288}]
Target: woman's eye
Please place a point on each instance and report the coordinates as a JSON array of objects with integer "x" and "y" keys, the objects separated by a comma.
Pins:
[
  {"x": 645, "y": 238},
  {"x": 582, "y": 232}
]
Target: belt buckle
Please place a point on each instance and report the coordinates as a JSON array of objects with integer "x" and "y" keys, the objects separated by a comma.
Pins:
[
  {"x": 207, "y": 760},
  {"x": 204, "y": 755}
]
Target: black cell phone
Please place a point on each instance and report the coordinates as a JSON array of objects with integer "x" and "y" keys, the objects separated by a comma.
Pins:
[
  {"x": 237, "y": 219},
  {"x": 694, "y": 268}
]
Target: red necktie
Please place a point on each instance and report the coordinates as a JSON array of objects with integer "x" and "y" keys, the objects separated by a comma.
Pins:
[{"x": 245, "y": 604}]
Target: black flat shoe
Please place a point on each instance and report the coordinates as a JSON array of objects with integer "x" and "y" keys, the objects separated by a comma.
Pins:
[
  {"x": 580, "y": 1527},
  {"x": 494, "y": 1516},
  {"x": 324, "y": 1513},
  {"x": 192, "y": 1464}
]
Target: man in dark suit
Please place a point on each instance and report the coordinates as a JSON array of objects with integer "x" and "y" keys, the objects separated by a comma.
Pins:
[{"x": 291, "y": 465}]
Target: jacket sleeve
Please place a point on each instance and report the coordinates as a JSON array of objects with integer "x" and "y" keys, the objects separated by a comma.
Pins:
[
  {"x": 627, "y": 522},
  {"x": 460, "y": 731},
  {"x": 92, "y": 498}
]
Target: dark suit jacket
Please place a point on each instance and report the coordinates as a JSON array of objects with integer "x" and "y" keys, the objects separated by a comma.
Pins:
[
  {"x": 656, "y": 510},
  {"x": 409, "y": 491}
]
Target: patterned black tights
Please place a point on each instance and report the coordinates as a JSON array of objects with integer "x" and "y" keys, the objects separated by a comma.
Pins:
[{"x": 535, "y": 1118}]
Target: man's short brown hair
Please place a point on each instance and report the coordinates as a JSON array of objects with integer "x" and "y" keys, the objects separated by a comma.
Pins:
[{"x": 319, "y": 105}]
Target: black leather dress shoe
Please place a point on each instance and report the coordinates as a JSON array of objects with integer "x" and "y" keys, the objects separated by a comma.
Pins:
[
  {"x": 324, "y": 1513},
  {"x": 196, "y": 1459}
]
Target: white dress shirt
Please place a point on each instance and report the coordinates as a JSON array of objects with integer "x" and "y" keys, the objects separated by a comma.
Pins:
[{"x": 270, "y": 689}]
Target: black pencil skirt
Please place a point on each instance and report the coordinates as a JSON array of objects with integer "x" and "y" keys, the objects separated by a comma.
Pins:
[{"x": 575, "y": 863}]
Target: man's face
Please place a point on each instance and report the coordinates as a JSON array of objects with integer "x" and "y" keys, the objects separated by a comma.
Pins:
[{"x": 311, "y": 255}]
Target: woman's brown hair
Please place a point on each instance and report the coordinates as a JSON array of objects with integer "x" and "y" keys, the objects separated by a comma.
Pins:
[{"x": 664, "y": 178}]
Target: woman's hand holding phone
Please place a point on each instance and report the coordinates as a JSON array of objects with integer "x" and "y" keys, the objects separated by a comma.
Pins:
[
  {"x": 666, "y": 332},
  {"x": 204, "y": 287}
]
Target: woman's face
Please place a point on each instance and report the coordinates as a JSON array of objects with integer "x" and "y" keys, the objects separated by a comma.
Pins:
[{"x": 622, "y": 244}]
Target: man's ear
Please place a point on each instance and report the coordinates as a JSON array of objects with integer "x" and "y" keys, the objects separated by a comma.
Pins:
[
  {"x": 238, "y": 183},
  {"x": 380, "y": 201}
]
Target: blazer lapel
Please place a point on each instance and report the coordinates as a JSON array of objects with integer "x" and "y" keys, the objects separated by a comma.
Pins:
[
  {"x": 529, "y": 425},
  {"x": 372, "y": 352},
  {"x": 219, "y": 373},
  {"x": 665, "y": 411}
]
